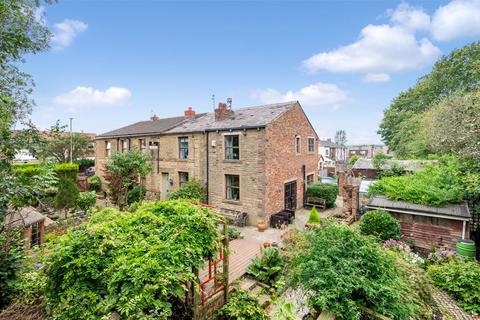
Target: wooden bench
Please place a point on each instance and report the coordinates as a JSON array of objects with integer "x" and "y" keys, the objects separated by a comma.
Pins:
[
  {"x": 316, "y": 202},
  {"x": 234, "y": 217}
]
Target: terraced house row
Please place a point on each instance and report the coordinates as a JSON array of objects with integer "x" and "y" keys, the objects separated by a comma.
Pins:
[{"x": 256, "y": 160}]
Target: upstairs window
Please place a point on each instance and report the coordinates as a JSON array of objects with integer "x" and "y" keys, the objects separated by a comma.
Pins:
[
  {"x": 183, "y": 147},
  {"x": 153, "y": 145},
  {"x": 311, "y": 145},
  {"x": 182, "y": 178},
  {"x": 124, "y": 145},
  {"x": 232, "y": 147},
  {"x": 232, "y": 187},
  {"x": 143, "y": 144},
  {"x": 108, "y": 148},
  {"x": 297, "y": 144},
  {"x": 310, "y": 179}
]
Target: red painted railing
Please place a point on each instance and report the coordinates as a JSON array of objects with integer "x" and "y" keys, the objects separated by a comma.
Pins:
[{"x": 214, "y": 280}]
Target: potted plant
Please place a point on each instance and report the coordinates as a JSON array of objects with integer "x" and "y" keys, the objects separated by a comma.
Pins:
[{"x": 261, "y": 225}]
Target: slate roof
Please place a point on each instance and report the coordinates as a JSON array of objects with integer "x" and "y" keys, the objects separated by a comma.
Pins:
[
  {"x": 144, "y": 127},
  {"x": 459, "y": 211},
  {"x": 24, "y": 217},
  {"x": 329, "y": 143},
  {"x": 250, "y": 117},
  {"x": 408, "y": 165}
]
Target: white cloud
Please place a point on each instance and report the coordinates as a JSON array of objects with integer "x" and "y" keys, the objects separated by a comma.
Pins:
[
  {"x": 87, "y": 96},
  {"x": 314, "y": 95},
  {"x": 64, "y": 32},
  {"x": 380, "y": 49},
  {"x": 409, "y": 17},
  {"x": 377, "y": 77},
  {"x": 459, "y": 18}
]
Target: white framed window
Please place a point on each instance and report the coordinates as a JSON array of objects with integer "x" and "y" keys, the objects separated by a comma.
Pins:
[
  {"x": 232, "y": 147},
  {"x": 108, "y": 148},
  {"x": 232, "y": 187},
  {"x": 310, "y": 178}
]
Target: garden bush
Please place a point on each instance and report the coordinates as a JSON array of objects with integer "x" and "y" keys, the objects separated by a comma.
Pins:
[
  {"x": 84, "y": 164},
  {"x": 233, "y": 233},
  {"x": 66, "y": 170},
  {"x": 434, "y": 185},
  {"x": 313, "y": 217},
  {"x": 86, "y": 200},
  {"x": 242, "y": 306},
  {"x": 268, "y": 267},
  {"x": 67, "y": 194},
  {"x": 94, "y": 183},
  {"x": 325, "y": 191},
  {"x": 380, "y": 224},
  {"x": 137, "y": 194},
  {"x": 191, "y": 190},
  {"x": 11, "y": 256},
  {"x": 134, "y": 263},
  {"x": 461, "y": 279},
  {"x": 346, "y": 271}
]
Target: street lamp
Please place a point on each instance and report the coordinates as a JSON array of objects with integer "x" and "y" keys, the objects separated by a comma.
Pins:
[{"x": 71, "y": 141}]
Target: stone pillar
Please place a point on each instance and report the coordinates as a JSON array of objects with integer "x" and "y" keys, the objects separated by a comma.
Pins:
[{"x": 354, "y": 199}]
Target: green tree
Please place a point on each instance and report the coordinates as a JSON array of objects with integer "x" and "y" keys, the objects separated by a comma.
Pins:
[
  {"x": 124, "y": 171},
  {"x": 57, "y": 144},
  {"x": 457, "y": 72}
]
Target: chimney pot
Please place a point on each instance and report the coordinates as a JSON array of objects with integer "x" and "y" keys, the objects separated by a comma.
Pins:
[
  {"x": 154, "y": 117},
  {"x": 222, "y": 111}
]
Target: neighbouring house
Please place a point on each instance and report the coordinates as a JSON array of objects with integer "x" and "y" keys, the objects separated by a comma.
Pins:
[
  {"x": 331, "y": 155},
  {"x": 427, "y": 226},
  {"x": 367, "y": 150},
  {"x": 32, "y": 223},
  {"x": 256, "y": 160},
  {"x": 365, "y": 167}
]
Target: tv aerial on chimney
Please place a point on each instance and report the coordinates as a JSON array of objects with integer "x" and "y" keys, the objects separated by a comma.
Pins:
[
  {"x": 213, "y": 100},
  {"x": 229, "y": 103}
]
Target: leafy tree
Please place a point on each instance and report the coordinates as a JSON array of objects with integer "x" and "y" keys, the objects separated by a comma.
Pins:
[
  {"x": 457, "y": 72},
  {"x": 341, "y": 137},
  {"x": 134, "y": 263},
  {"x": 124, "y": 171},
  {"x": 453, "y": 125},
  {"x": 57, "y": 144},
  {"x": 354, "y": 158}
]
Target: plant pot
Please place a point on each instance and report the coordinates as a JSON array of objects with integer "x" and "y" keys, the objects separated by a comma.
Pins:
[
  {"x": 261, "y": 227},
  {"x": 266, "y": 244}
]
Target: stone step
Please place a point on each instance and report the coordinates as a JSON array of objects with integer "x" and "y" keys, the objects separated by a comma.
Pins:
[
  {"x": 264, "y": 300},
  {"x": 247, "y": 284}
]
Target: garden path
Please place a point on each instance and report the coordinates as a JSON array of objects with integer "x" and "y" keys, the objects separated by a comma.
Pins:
[{"x": 448, "y": 307}]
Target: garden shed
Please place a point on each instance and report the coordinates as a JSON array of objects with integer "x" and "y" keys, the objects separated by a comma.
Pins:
[
  {"x": 31, "y": 221},
  {"x": 427, "y": 226}
]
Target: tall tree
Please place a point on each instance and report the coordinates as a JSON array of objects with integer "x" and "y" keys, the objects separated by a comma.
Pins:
[
  {"x": 457, "y": 72},
  {"x": 341, "y": 137}
]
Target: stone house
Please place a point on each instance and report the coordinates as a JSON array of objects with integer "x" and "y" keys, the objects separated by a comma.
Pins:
[{"x": 256, "y": 160}]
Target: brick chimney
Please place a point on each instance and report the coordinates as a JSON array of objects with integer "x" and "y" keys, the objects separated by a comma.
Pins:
[
  {"x": 154, "y": 117},
  {"x": 222, "y": 112},
  {"x": 189, "y": 113}
]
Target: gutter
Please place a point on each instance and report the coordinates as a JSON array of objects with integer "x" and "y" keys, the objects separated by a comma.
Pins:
[{"x": 419, "y": 213}]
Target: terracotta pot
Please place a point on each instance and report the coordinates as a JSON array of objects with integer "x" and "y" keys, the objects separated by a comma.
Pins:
[
  {"x": 261, "y": 227},
  {"x": 266, "y": 244}
]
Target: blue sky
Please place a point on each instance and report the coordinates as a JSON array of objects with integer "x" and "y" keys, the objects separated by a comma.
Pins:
[{"x": 113, "y": 62}]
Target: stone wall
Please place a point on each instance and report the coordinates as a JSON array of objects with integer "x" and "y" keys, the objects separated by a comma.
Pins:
[
  {"x": 283, "y": 163},
  {"x": 250, "y": 168}
]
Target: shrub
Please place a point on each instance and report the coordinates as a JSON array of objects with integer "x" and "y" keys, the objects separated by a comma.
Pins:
[
  {"x": 191, "y": 190},
  {"x": 241, "y": 306},
  {"x": 134, "y": 263},
  {"x": 461, "y": 279},
  {"x": 325, "y": 191},
  {"x": 268, "y": 267},
  {"x": 84, "y": 164},
  {"x": 354, "y": 158},
  {"x": 137, "y": 194},
  {"x": 442, "y": 255},
  {"x": 345, "y": 270},
  {"x": 94, "y": 183},
  {"x": 86, "y": 200},
  {"x": 67, "y": 194},
  {"x": 314, "y": 217},
  {"x": 433, "y": 185},
  {"x": 380, "y": 224},
  {"x": 66, "y": 170},
  {"x": 11, "y": 256},
  {"x": 233, "y": 233}
]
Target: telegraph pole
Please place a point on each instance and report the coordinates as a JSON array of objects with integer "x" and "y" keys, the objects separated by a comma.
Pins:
[{"x": 71, "y": 141}]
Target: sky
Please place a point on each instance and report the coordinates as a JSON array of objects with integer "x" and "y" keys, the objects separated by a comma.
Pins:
[{"x": 113, "y": 63}]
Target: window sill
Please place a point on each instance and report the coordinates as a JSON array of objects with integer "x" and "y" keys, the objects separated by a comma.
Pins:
[
  {"x": 231, "y": 161},
  {"x": 235, "y": 202}
]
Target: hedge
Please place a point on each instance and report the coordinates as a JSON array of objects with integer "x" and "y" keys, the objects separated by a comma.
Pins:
[
  {"x": 325, "y": 191},
  {"x": 66, "y": 170},
  {"x": 380, "y": 224}
]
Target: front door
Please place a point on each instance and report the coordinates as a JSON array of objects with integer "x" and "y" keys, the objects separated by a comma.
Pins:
[
  {"x": 165, "y": 185},
  {"x": 291, "y": 195}
]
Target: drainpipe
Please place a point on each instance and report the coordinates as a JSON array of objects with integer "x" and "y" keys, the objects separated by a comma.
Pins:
[
  {"x": 207, "y": 165},
  {"x": 304, "y": 174}
]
